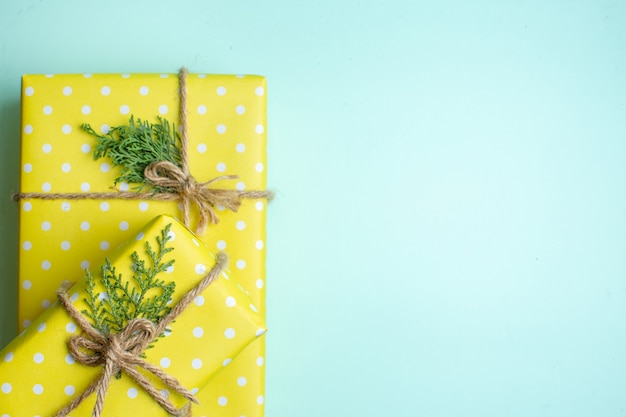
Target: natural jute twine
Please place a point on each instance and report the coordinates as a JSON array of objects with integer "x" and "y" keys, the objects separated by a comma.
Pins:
[
  {"x": 122, "y": 352},
  {"x": 181, "y": 184}
]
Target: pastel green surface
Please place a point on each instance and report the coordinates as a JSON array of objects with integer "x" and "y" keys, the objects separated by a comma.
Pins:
[{"x": 449, "y": 231}]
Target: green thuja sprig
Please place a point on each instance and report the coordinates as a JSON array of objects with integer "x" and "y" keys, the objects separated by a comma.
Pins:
[
  {"x": 146, "y": 297},
  {"x": 134, "y": 146}
]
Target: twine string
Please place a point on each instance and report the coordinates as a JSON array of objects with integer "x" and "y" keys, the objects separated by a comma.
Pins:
[
  {"x": 181, "y": 185},
  {"x": 122, "y": 352}
]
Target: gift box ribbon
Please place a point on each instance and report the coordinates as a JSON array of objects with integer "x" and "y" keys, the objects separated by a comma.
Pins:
[
  {"x": 121, "y": 352},
  {"x": 181, "y": 185}
]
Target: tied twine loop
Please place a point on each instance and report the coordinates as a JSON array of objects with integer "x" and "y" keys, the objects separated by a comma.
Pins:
[
  {"x": 121, "y": 352},
  {"x": 167, "y": 175},
  {"x": 179, "y": 183}
]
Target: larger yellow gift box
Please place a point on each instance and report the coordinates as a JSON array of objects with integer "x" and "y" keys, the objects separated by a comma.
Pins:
[
  {"x": 39, "y": 377},
  {"x": 60, "y": 238}
]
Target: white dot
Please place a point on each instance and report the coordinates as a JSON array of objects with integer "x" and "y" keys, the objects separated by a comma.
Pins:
[
  {"x": 240, "y": 225},
  {"x": 105, "y": 128},
  {"x": 171, "y": 236},
  {"x": 46, "y": 226},
  {"x": 241, "y": 264},
  {"x": 240, "y": 109},
  {"x": 259, "y": 244},
  {"x": 104, "y": 167},
  {"x": 28, "y": 168},
  {"x": 240, "y": 186},
  {"x": 165, "y": 393},
  {"x": 45, "y": 304},
  {"x": 47, "y": 109},
  {"x": 29, "y": 91},
  {"x": 259, "y": 129},
  {"x": 85, "y": 148},
  {"x": 27, "y": 206},
  {"x": 27, "y": 284},
  {"x": 259, "y": 400},
  {"x": 104, "y": 245},
  {"x": 143, "y": 206},
  {"x": 70, "y": 327},
  {"x": 87, "y": 75},
  {"x": 85, "y": 186},
  {"x": 143, "y": 90},
  {"x": 8, "y": 357},
  {"x": 124, "y": 186},
  {"x": 38, "y": 389},
  {"x": 27, "y": 245},
  {"x": 84, "y": 226},
  {"x": 259, "y": 91},
  {"x": 242, "y": 381},
  {"x": 222, "y": 401},
  {"x": 45, "y": 265},
  {"x": 226, "y": 361},
  {"x": 221, "y": 167},
  {"x": 26, "y": 323},
  {"x": 139, "y": 236},
  {"x": 259, "y": 283},
  {"x": 167, "y": 332},
  {"x": 221, "y": 128},
  {"x": 198, "y": 331},
  {"x": 202, "y": 109},
  {"x": 132, "y": 392},
  {"x": 69, "y": 359},
  {"x": 28, "y": 129},
  {"x": 66, "y": 167},
  {"x": 260, "y": 332},
  {"x": 124, "y": 225},
  {"x": 104, "y": 206},
  {"x": 67, "y": 129},
  {"x": 229, "y": 333},
  {"x": 221, "y": 245},
  {"x": 194, "y": 391},
  {"x": 196, "y": 363},
  {"x": 199, "y": 300},
  {"x": 200, "y": 269},
  {"x": 66, "y": 206},
  {"x": 201, "y": 75},
  {"x": 74, "y": 297},
  {"x": 124, "y": 109},
  {"x": 46, "y": 186},
  {"x": 259, "y": 167},
  {"x": 67, "y": 90},
  {"x": 169, "y": 269},
  {"x": 106, "y": 90},
  {"x": 163, "y": 109},
  {"x": 47, "y": 148},
  {"x": 231, "y": 302},
  {"x": 69, "y": 390},
  {"x": 38, "y": 358},
  {"x": 221, "y": 90},
  {"x": 260, "y": 361},
  {"x": 201, "y": 147},
  {"x": 6, "y": 388},
  {"x": 165, "y": 362},
  {"x": 86, "y": 109},
  {"x": 125, "y": 75},
  {"x": 84, "y": 265}
]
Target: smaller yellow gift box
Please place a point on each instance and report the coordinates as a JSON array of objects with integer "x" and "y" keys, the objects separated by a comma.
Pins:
[{"x": 39, "y": 375}]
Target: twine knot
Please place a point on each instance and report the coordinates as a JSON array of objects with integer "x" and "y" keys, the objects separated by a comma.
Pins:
[
  {"x": 171, "y": 177},
  {"x": 121, "y": 352}
]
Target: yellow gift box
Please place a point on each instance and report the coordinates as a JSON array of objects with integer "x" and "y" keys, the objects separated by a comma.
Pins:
[
  {"x": 39, "y": 377},
  {"x": 60, "y": 238}
]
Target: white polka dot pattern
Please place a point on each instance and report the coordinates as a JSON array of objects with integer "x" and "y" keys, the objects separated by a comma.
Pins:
[{"x": 224, "y": 112}]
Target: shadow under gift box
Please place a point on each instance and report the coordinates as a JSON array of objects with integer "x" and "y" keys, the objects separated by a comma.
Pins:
[
  {"x": 59, "y": 238},
  {"x": 39, "y": 377}
]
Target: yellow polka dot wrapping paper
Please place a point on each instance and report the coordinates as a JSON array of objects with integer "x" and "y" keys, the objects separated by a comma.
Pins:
[
  {"x": 39, "y": 377},
  {"x": 60, "y": 238}
]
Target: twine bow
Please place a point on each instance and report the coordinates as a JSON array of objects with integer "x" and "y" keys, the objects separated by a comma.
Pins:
[
  {"x": 181, "y": 184},
  {"x": 122, "y": 352}
]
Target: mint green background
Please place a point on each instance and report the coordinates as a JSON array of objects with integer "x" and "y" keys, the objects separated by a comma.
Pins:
[{"x": 449, "y": 232}]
